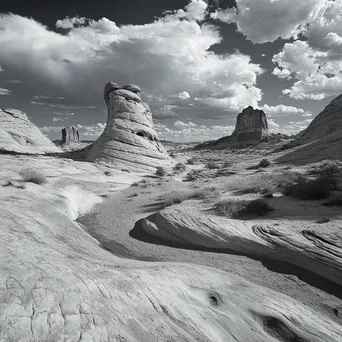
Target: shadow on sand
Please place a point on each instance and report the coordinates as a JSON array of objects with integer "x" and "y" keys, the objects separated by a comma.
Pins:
[{"x": 282, "y": 267}]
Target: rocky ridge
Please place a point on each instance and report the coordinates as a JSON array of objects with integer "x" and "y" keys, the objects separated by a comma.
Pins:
[{"x": 19, "y": 134}]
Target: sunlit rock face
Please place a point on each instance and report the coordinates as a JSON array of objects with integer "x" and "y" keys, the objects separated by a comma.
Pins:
[
  {"x": 129, "y": 139},
  {"x": 251, "y": 126},
  {"x": 70, "y": 135},
  {"x": 19, "y": 134},
  {"x": 327, "y": 122}
]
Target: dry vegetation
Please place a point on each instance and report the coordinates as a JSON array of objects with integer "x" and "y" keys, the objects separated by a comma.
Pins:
[
  {"x": 32, "y": 176},
  {"x": 243, "y": 209},
  {"x": 179, "y": 196}
]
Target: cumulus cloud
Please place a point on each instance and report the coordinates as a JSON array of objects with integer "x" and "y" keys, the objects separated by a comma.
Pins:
[
  {"x": 4, "y": 91},
  {"x": 84, "y": 130},
  {"x": 313, "y": 64},
  {"x": 184, "y": 95},
  {"x": 265, "y": 21},
  {"x": 163, "y": 57},
  {"x": 189, "y": 132},
  {"x": 283, "y": 110},
  {"x": 57, "y": 119}
]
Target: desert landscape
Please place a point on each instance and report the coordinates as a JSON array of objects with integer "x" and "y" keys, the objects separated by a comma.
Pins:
[{"x": 134, "y": 237}]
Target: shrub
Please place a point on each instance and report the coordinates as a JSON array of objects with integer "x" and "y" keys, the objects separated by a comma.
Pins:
[
  {"x": 329, "y": 169},
  {"x": 178, "y": 196},
  {"x": 180, "y": 167},
  {"x": 264, "y": 163},
  {"x": 193, "y": 160},
  {"x": 211, "y": 165},
  {"x": 192, "y": 175},
  {"x": 309, "y": 189},
  {"x": 160, "y": 171},
  {"x": 108, "y": 173},
  {"x": 32, "y": 176},
  {"x": 243, "y": 209}
]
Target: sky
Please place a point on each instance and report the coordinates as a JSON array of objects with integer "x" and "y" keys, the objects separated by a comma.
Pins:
[{"x": 198, "y": 63}]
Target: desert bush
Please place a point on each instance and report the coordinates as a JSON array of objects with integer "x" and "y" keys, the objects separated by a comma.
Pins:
[
  {"x": 211, "y": 165},
  {"x": 32, "y": 176},
  {"x": 264, "y": 163},
  {"x": 329, "y": 168},
  {"x": 108, "y": 173},
  {"x": 243, "y": 209},
  {"x": 180, "y": 167},
  {"x": 308, "y": 189},
  {"x": 178, "y": 196},
  {"x": 193, "y": 160},
  {"x": 192, "y": 175},
  {"x": 160, "y": 171}
]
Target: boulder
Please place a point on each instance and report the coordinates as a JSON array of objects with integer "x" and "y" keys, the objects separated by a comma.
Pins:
[
  {"x": 129, "y": 139},
  {"x": 251, "y": 126},
  {"x": 70, "y": 135},
  {"x": 19, "y": 134}
]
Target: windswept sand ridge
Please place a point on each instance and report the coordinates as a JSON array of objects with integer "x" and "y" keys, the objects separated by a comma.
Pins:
[
  {"x": 57, "y": 284},
  {"x": 319, "y": 250}
]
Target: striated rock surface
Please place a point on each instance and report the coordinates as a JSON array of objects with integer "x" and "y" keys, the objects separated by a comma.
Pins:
[
  {"x": 19, "y": 134},
  {"x": 320, "y": 140},
  {"x": 251, "y": 126},
  {"x": 129, "y": 139},
  {"x": 327, "y": 122},
  {"x": 70, "y": 135}
]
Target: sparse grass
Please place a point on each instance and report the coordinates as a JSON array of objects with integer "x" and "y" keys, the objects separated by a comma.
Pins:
[
  {"x": 193, "y": 160},
  {"x": 309, "y": 189},
  {"x": 32, "y": 176},
  {"x": 243, "y": 209},
  {"x": 261, "y": 182},
  {"x": 180, "y": 167},
  {"x": 160, "y": 171},
  {"x": 212, "y": 165},
  {"x": 331, "y": 169},
  {"x": 179, "y": 196}
]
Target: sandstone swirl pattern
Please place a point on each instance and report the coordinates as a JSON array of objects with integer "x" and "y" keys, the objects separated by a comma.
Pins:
[
  {"x": 129, "y": 139},
  {"x": 18, "y": 134}
]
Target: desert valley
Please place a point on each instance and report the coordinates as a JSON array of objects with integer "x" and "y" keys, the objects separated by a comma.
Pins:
[
  {"x": 132, "y": 239},
  {"x": 171, "y": 171}
]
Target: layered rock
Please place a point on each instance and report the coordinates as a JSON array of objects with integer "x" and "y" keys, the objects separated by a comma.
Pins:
[
  {"x": 325, "y": 123},
  {"x": 19, "y": 134},
  {"x": 129, "y": 139},
  {"x": 320, "y": 140},
  {"x": 251, "y": 126},
  {"x": 70, "y": 135}
]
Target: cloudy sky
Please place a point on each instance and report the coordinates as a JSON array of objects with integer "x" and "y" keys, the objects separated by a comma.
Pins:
[{"x": 199, "y": 63}]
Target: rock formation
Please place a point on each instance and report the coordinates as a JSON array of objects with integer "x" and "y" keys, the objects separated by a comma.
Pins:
[
  {"x": 325, "y": 123},
  {"x": 251, "y": 126},
  {"x": 19, "y": 134},
  {"x": 321, "y": 139},
  {"x": 70, "y": 135},
  {"x": 129, "y": 140}
]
